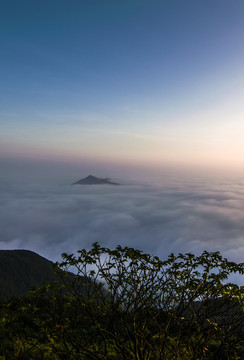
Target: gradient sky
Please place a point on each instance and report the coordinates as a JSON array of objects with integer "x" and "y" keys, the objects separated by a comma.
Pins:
[{"x": 135, "y": 81}]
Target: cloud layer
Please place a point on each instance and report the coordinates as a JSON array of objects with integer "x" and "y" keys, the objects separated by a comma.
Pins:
[{"x": 174, "y": 217}]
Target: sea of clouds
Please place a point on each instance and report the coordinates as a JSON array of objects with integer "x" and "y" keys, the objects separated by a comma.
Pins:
[{"x": 170, "y": 215}]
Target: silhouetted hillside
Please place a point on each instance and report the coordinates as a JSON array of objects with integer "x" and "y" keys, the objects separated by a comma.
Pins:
[
  {"x": 21, "y": 270},
  {"x": 93, "y": 180}
]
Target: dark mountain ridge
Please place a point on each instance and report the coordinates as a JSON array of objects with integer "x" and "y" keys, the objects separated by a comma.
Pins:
[
  {"x": 93, "y": 180},
  {"x": 22, "y": 270}
]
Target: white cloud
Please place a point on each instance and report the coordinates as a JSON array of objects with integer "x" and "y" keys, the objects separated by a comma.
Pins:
[{"x": 180, "y": 218}]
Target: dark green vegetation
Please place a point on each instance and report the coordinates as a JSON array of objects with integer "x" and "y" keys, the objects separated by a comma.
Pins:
[{"x": 124, "y": 304}]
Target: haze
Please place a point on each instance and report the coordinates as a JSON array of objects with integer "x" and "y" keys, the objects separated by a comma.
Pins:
[{"x": 149, "y": 93}]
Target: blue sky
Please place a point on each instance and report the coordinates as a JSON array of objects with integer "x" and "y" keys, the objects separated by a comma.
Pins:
[
  {"x": 117, "y": 88},
  {"x": 145, "y": 82}
]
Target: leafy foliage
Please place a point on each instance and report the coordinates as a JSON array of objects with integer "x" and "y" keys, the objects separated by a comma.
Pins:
[{"x": 125, "y": 304}]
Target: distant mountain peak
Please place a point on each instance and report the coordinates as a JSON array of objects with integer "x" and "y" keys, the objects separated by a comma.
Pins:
[{"x": 93, "y": 180}]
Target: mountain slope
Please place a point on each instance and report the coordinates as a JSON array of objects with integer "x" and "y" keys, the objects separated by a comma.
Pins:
[
  {"x": 93, "y": 180},
  {"x": 21, "y": 270}
]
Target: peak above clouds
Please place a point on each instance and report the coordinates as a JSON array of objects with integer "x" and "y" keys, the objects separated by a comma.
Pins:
[
  {"x": 93, "y": 180},
  {"x": 179, "y": 216}
]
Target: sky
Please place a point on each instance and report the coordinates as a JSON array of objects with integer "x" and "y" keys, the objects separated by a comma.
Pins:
[
  {"x": 122, "y": 83},
  {"x": 148, "y": 93}
]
